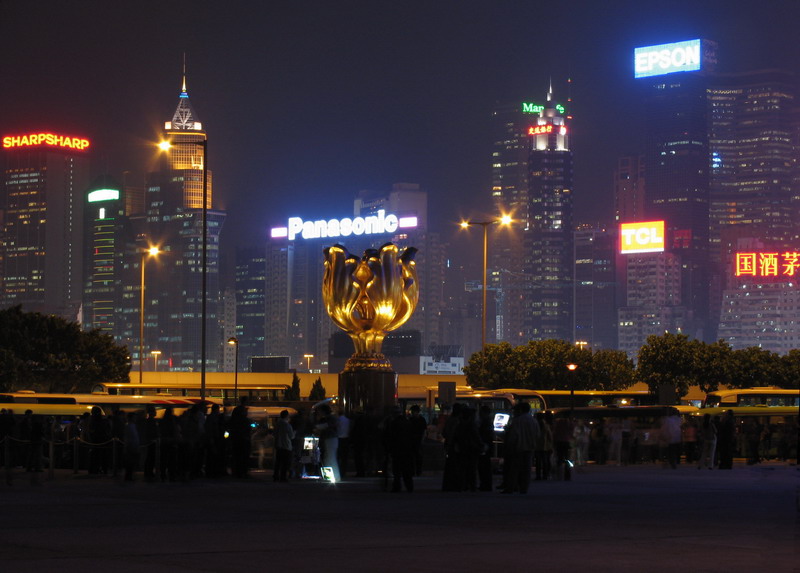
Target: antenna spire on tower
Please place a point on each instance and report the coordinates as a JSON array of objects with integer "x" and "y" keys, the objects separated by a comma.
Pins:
[{"x": 183, "y": 87}]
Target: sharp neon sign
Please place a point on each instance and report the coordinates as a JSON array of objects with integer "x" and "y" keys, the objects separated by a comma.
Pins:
[
  {"x": 773, "y": 264},
  {"x": 667, "y": 59},
  {"x": 645, "y": 237},
  {"x": 51, "y": 139},
  {"x": 377, "y": 224},
  {"x": 539, "y": 108}
]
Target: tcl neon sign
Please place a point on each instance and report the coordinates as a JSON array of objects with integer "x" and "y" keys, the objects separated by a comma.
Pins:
[
  {"x": 773, "y": 264},
  {"x": 667, "y": 59},
  {"x": 546, "y": 129},
  {"x": 51, "y": 139},
  {"x": 377, "y": 224},
  {"x": 645, "y": 237}
]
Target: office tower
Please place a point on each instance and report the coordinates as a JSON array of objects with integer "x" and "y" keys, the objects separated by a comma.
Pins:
[
  {"x": 675, "y": 78},
  {"x": 251, "y": 267},
  {"x": 173, "y": 221},
  {"x": 629, "y": 189},
  {"x": 105, "y": 240},
  {"x": 296, "y": 321},
  {"x": 511, "y": 144},
  {"x": 548, "y": 241},
  {"x": 45, "y": 178},
  {"x": 595, "y": 295}
]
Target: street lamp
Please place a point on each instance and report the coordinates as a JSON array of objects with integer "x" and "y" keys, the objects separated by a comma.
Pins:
[
  {"x": 152, "y": 251},
  {"x": 504, "y": 220},
  {"x": 308, "y": 358},
  {"x": 235, "y": 343},
  {"x": 165, "y": 146},
  {"x": 156, "y": 354},
  {"x": 572, "y": 368}
]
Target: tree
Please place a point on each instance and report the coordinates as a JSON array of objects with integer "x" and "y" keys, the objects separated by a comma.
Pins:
[
  {"x": 666, "y": 364},
  {"x": 790, "y": 363},
  {"x": 495, "y": 367},
  {"x": 50, "y": 354},
  {"x": 755, "y": 366},
  {"x": 293, "y": 393},
  {"x": 317, "y": 391},
  {"x": 611, "y": 370},
  {"x": 544, "y": 363},
  {"x": 712, "y": 365}
]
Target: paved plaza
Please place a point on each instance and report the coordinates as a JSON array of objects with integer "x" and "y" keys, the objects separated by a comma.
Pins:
[{"x": 637, "y": 518}]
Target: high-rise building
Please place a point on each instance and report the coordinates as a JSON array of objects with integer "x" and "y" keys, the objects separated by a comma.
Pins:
[
  {"x": 548, "y": 240},
  {"x": 106, "y": 233},
  {"x": 173, "y": 221},
  {"x": 675, "y": 80},
  {"x": 251, "y": 281},
  {"x": 44, "y": 181},
  {"x": 595, "y": 295},
  {"x": 629, "y": 189}
]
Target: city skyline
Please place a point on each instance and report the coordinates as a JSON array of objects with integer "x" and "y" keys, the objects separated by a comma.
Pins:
[{"x": 307, "y": 105}]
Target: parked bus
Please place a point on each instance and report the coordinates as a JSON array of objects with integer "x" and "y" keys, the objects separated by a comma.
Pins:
[
  {"x": 108, "y": 402},
  {"x": 770, "y": 396},
  {"x": 549, "y": 399},
  {"x": 224, "y": 391}
]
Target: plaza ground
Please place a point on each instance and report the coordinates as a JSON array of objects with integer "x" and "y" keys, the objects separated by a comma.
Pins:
[{"x": 608, "y": 518}]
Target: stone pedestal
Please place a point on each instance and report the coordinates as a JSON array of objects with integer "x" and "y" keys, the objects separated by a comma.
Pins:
[{"x": 373, "y": 392}]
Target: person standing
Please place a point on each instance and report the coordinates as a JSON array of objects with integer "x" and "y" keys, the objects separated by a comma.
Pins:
[
  {"x": 326, "y": 429},
  {"x": 131, "y": 445},
  {"x": 343, "y": 449},
  {"x": 486, "y": 435},
  {"x": 399, "y": 445},
  {"x": 240, "y": 441},
  {"x": 708, "y": 433},
  {"x": 284, "y": 435},
  {"x": 726, "y": 437},
  {"x": 150, "y": 434},
  {"x": 418, "y": 429},
  {"x": 563, "y": 431}
]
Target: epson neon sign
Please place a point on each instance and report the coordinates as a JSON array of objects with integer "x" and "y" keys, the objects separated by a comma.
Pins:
[
  {"x": 377, "y": 224},
  {"x": 539, "y": 108},
  {"x": 51, "y": 139},
  {"x": 667, "y": 59}
]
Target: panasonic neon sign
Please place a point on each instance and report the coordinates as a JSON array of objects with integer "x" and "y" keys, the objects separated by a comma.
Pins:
[
  {"x": 667, "y": 59},
  {"x": 377, "y": 224},
  {"x": 51, "y": 139}
]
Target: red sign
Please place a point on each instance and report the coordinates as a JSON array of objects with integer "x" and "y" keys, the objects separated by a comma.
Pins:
[
  {"x": 540, "y": 129},
  {"x": 51, "y": 139},
  {"x": 767, "y": 264}
]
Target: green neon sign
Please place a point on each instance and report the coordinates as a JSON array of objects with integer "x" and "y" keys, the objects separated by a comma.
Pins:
[
  {"x": 103, "y": 195},
  {"x": 539, "y": 108}
]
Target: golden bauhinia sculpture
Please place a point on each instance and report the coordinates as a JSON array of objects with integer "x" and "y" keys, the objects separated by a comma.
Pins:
[{"x": 369, "y": 296}]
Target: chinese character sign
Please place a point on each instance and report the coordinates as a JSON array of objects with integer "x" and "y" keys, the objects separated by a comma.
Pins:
[{"x": 768, "y": 264}]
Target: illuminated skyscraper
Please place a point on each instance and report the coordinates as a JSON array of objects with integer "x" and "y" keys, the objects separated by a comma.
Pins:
[
  {"x": 172, "y": 221},
  {"x": 45, "y": 178},
  {"x": 548, "y": 241}
]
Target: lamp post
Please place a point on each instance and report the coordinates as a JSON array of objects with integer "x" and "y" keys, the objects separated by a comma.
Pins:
[
  {"x": 235, "y": 342},
  {"x": 152, "y": 251},
  {"x": 572, "y": 368},
  {"x": 156, "y": 354},
  {"x": 166, "y": 145},
  {"x": 308, "y": 358},
  {"x": 504, "y": 220}
]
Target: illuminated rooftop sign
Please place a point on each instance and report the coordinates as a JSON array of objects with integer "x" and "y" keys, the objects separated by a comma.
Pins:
[
  {"x": 103, "y": 195},
  {"x": 645, "y": 237},
  {"x": 667, "y": 59},
  {"x": 774, "y": 264},
  {"x": 546, "y": 129},
  {"x": 539, "y": 108},
  {"x": 377, "y": 224},
  {"x": 51, "y": 139}
]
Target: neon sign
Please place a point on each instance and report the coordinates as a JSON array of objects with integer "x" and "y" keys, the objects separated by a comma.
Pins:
[
  {"x": 667, "y": 59},
  {"x": 547, "y": 129},
  {"x": 51, "y": 139},
  {"x": 103, "y": 195},
  {"x": 377, "y": 224},
  {"x": 539, "y": 108},
  {"x": 767, "y": 264},
  {"x": 645, "y": 237}
]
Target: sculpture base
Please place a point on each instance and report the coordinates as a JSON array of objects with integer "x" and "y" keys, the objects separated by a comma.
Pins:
[{"x": 372, "y": 392}]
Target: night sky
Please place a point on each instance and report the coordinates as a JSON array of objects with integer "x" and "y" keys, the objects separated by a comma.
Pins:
[{"x": 307, "y": 102}]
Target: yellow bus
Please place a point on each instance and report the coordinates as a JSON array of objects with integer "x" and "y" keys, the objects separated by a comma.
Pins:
[{"x": 770, "y": 396}]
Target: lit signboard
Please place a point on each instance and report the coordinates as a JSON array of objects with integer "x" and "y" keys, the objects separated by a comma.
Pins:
[
  {"x": 667, "y": 59},
  {"x": 645, "y": 237},
  {"x": 773, "y": 264},
  {"x": 546, "y": 129},
  {"x": 377, "y": 224},
  {"x": 539, "y": 108},
  {"x": 103, "y": 195},
  {"x": 51, "y": 139}
]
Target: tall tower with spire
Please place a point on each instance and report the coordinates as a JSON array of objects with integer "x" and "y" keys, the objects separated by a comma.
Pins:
[{"x": 173, "y": 221}]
